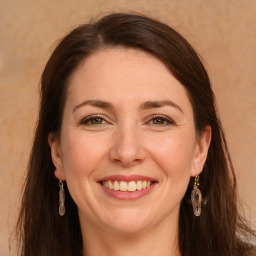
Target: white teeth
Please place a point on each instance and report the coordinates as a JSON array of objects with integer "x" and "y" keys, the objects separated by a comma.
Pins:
[
  {"x": 105, "y": 184},
  {"x": 126, "y": 186},
  {"x": 116, "y": 185},
  {"x": 110, "y": 184},
  {"x": 131, "y": 186},
  {"x": 123, "y": 186},
  {"x": 139, "y": 185}
]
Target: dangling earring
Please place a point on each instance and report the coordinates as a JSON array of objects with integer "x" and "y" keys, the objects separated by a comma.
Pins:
[
  {"x": 61, "y": 199},
  {"x": 196, "y": 197}
]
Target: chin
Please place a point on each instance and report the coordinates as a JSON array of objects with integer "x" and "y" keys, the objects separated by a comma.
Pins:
[
  {"x": 127, "y": 222},
  {"x": 128, "y": 228}
]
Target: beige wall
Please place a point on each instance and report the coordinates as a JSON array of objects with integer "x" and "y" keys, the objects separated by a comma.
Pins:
[{"x": 223, "y": 31}]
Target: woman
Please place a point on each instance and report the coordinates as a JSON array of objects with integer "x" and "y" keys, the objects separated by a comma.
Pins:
[{"x": 127, "y": 125}]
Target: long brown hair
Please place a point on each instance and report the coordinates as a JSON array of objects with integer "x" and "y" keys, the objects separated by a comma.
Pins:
[{"x": 219, "y": 230}]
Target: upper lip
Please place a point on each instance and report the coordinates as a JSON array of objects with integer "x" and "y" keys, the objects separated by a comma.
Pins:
[{"x": 127, "y": 178}]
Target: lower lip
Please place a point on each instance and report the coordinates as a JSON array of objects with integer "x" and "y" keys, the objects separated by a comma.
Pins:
[{"x": 127, "y": 195}]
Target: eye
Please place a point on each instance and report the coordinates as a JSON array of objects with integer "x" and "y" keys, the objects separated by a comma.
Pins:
[
  {"x": 160, "y": 120},
  {"x": 93, "y": 120}
]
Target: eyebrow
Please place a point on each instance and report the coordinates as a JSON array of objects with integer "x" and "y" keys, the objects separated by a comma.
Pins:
[
  {"x": 144, "y": 106},
  {"x": 158, "y": 104},
  {"x": 94, "y": 103}
]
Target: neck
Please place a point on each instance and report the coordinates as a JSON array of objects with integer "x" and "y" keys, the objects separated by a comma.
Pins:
[{"x": 160, "y": 240}]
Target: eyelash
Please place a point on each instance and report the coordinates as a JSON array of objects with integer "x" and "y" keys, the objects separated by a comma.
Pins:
[
  {"x": 86, "y": 120},
  {"x": 167, "y": 121}
]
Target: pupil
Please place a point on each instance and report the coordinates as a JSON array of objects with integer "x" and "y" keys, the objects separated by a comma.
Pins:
[
  {"x": 158, "y": 121},
  {"x": 97, "y": 121}
]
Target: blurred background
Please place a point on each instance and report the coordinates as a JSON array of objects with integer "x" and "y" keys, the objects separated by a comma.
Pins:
[{"x": 222, "y": 31}]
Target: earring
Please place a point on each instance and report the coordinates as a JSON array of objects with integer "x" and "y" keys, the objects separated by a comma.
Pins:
[
  {"x": 196, "y": 197},
  {"x": 61, "y": 199}
]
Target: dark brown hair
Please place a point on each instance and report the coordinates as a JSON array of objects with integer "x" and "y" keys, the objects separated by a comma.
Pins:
[{"x": 219, "y": 230}]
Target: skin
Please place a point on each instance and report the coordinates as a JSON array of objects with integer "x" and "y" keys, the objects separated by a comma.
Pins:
[{"x": 128, "y": 140}]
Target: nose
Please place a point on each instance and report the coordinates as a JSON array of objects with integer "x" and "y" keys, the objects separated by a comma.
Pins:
[{"x": 128, "y": 149}]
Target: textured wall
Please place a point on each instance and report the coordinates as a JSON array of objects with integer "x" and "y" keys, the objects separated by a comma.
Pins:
[{"x": 223, "y": 32}]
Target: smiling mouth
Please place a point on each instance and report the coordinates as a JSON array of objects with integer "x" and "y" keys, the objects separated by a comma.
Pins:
[{"x": 124, "y": 186}]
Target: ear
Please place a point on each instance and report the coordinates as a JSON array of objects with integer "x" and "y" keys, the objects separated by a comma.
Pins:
[
  {"x": 55, "y": 145},
  {"x": 201, "y": 150}
]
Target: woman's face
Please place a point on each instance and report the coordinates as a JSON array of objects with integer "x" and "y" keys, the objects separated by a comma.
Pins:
[{"x": 128, "y": 144}]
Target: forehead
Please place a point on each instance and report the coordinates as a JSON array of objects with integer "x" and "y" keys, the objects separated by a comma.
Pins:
[{"x": 123, "y": 74}]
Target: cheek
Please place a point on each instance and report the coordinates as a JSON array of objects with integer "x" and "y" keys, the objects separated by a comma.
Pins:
[
  {"x": 81, "y": 157},
  {"x": 81, "y": 154},
  {"x": 174, "y": 155}
]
